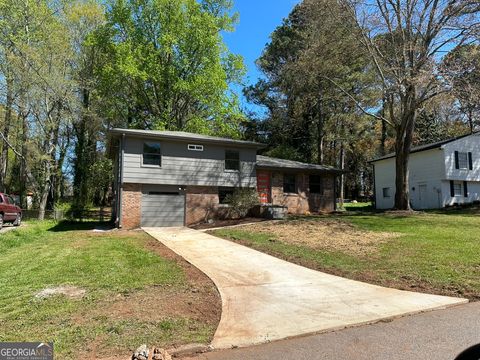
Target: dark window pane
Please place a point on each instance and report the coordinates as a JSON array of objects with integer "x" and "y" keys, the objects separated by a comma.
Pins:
[
  {"x": 315, "y": 184},
  {"x": 223, "y": 193},
  {"x": 152, "y": 154},
  {"x": 386, "y": 192},
  {"x": 151, "y": 148},
  {"x": 232, "y": 160},
  {"x": 151, "y": 159},
  {"x": 463, "y": 160},
  {"x": 289, "y": 184}
]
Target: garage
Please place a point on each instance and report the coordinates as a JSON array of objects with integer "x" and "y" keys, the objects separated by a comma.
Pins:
[{"x": 163, "y": 206}]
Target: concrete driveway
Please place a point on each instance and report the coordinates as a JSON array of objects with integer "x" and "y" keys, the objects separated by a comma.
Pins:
[{"x": 265, "y": 298}]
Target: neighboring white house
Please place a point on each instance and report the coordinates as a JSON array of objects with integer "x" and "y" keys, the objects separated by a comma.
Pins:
[{"x": 440, "y": 174}]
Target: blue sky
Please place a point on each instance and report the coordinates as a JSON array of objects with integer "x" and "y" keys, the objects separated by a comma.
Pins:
[{"x": 258, "y": 19}]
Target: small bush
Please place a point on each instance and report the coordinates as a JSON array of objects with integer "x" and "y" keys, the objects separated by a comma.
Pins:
[{"x": 242, "y": 201}]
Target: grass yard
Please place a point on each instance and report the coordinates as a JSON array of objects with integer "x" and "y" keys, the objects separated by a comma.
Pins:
[
  {"x": 434, "y": 252},
  {"x": 136, "y": 292}
]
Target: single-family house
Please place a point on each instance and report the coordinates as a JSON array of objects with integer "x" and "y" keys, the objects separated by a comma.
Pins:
[
  {"x": 169, "y": 178},
  {"x": 441, "y": 174}
]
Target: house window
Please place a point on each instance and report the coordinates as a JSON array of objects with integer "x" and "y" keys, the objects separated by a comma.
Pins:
[
  {"x": 386, "y": 192},
  {"x": 289, "y": 184},
  {"x": 457, "y": 189},
  {"x": 316, "y": 184},
  {"x": 152, "y": 154},
  {"x": 462, "y": 160},
  {"x": 194, "y": 147},
  {"x": 232, "y": 160},
  {"x": 223, "y": 195}
]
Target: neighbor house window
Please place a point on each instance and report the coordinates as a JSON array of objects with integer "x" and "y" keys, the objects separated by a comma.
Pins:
[
  {"x": 152, "y": 154},
  {"x": 232, "y": 160},
  {"x": 289, "y": 184},
  {"x": 462, "y": 160},
  {"x": 316, "y": 184},
  {"x": 457, "y": 189},
  {"x": 223, "y": 195},
  {"x": 386, "y": 192},
  {"x": 194, "y": 147}
]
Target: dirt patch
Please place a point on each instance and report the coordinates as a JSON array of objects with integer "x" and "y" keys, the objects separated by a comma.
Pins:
[
  {"x": 198, "y": 301},
  {"x": 222, "y": 223},
  {"x": 72, "y": 292},
  {"x": 403, "y": 213},
  {"x": 328, "y": 235}
]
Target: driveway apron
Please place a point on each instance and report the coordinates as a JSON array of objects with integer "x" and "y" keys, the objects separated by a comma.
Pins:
[{"x": 265, "y": 298}]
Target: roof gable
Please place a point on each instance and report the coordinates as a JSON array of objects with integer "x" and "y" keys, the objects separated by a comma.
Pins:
[
  {"x": 425, "y": 147},
  {"x": 267, "y": 162}
]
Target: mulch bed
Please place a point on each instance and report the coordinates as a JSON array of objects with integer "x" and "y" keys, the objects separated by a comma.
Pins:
[{"x": 230, "y": 222}]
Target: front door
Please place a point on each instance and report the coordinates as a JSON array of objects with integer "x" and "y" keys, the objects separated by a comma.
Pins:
[{"x": 422, "y": 196}]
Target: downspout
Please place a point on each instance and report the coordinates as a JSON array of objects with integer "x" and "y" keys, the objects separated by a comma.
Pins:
[
  {"x": 374, "y": 189},
  {"x": 335, "y": 192},
  {"x": 120, "y": 181}
]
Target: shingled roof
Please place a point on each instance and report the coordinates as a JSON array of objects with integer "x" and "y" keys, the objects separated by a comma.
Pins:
[
  {"x": 184, "y": 136},
  {"x": 425, "y": 147},
  {"x": 270, "y": 163}
]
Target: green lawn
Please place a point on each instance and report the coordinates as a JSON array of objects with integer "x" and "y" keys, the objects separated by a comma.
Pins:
[
  {"x": 360, "y": 206},
  {"x": 433, "y": 252},
  {"x": 108, "y": 266}
]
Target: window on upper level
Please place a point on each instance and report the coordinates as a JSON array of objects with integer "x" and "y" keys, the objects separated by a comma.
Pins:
[
  {"x": 152, "y": 154},
  {"x": 232, "y": 160},
  {"x": 289, "y": 183},
  {"x": 315, "y": 184},
  {"x": 195, "y": 147},
  {"x": 462, "y": 160}
]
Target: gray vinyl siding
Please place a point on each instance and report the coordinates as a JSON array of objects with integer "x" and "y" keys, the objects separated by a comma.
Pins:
[{"x": 181, "y": 166}]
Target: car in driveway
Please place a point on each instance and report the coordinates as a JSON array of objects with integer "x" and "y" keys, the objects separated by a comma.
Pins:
[{"x": 9, "y": 211}]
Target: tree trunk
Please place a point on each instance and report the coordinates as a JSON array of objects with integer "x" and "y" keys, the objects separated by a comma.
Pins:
[
  {"x": 6, "y": 131},
  {"x": 320, "y": 131},
  {"x": 43, "y": 200},
  {"x": 470, "y": 120},
  {"x": 383, "y": 139},
  {"x": 24, "y": 152},
  {"x": 403, "y": 145},
  {"x": 342, "y": 176}
]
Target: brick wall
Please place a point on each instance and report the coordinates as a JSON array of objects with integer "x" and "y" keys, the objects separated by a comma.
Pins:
[
  {"x": 201, "y": 203},
  {"x": 302, "y": 201},
  {"x": 131, "y": 206}
]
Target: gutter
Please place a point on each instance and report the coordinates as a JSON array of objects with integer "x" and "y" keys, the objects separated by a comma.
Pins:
[{"x": 299, "y": 169}]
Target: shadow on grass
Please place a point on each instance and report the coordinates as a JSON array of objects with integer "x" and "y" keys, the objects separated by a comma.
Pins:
[
  {"x": 469, "y": 210},
  {"x": 84, "y": 225}
]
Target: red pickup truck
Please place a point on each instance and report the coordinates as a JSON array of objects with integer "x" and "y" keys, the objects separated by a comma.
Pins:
[{"x": 9, "y": 211}]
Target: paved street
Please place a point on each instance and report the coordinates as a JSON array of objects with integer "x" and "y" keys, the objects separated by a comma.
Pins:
[{"x": 437, "y": 335}]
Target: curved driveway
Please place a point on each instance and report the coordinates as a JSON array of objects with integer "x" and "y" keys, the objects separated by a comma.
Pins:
[{"x": 265, "y": 298}]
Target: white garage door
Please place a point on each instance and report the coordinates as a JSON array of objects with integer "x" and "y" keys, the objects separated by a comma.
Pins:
[{"x": 163, "y": 206}]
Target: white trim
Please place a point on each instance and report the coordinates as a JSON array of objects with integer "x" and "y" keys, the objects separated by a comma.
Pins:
[{"x": 195, "y": 147}]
